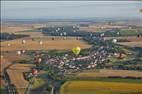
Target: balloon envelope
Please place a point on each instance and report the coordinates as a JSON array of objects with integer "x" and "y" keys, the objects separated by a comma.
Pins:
[
  {"x": 76, "y": 50},
  {"x": 23, "y": 41},
  {"x": 19, "y": 52},
  {"x": 34, "y": 72},
  {"x": 114, "y": 40}
]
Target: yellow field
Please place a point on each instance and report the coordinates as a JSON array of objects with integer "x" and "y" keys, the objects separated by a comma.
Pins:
[{"x": 98, "y": 87}]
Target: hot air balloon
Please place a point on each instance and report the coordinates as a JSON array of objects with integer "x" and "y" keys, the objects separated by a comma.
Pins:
[
  {"x": 76, "y": 50},
  {"x": 58, "y": 29},
  {"x": 34, "y": 72},
  {"x": 65, "y": 33},
  {"x": 1, "y": 56},
  {"x": 118, "y": 33},
  {"x": 8, "y": 44},
  {"x": 114, "y": 40},
  {"x": 74, "y": 31},
  {"x": 22, "y": 51},
  {"x": 120, "y": 56},
  {"x": 23, "y": 41},
  {"x": 61, "y": 34},
  {"x": 18, "y": 52},
  {"x": 40, "y": 42},
  {"x": 39, "y": 59},
  {"x": 102, "y": 35}
]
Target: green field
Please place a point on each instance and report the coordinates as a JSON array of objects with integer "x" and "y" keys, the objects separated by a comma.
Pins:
[
  {"x": 38, "y": 82},
  {"x": 127, "y": 32},
  {"x": 100, "y": 87}
]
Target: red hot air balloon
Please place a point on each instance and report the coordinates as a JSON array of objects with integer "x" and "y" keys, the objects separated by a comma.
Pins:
[
  {"x": 34, "y": 72},
  {"x": 120, "y": 56}
]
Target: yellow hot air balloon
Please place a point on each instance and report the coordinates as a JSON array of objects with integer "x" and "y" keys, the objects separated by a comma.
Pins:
[{"x": 76, "y": 50}]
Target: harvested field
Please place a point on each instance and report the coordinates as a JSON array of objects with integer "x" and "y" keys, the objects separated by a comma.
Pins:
[
  {"x": 98, "y": 87},
  {"x": 18, "y": 28},
  {"x": 99, "y": 28},
  {"x": 109, "y": 73},
  {"x": 6, "y": 60},
  {"x": 13, "y": 29},
  {"x": 2, "y": 83},
  {"x": 132, "y": 44},
  {"x": 131, "y": 39},
  {"x": 30, "y": 33},
  {"x": 47, "y": 44},
  {"x": 15, "y": 73},
  {"x": 3, "y": 63}
]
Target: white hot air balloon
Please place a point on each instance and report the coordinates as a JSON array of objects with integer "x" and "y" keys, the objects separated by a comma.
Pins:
[
  {"x": 18, "y": 52},
  {"x": 40, "y": 42},
  {"x": 39, "y": 60},
  {"x": 23, "y": 41},
  {"x": 1, "y": 56},
  {"x": 61, "y": 34},
  {"x": 65, "y": 33},
  {"x": 23, "y": 51},
  {"x": 118, "y": 33},
  {"x": 114, "y": 40},
  {"x": 58, "y": 29},
  {"x": 102, "y": 34},
  {"x": 8, "y": 44}
]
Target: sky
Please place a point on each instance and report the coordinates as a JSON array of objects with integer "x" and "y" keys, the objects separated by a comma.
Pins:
[{"x": 70, "y": 9}]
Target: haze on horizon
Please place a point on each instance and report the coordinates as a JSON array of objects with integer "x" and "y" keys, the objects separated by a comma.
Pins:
[{"x": 69, "y": 9}]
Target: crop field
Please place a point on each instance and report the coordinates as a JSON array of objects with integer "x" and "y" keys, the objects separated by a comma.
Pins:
[
  {"x": 16, "y": 76},
  {"x": 30, "y": 33},
  {"x": 98, "y": 28},
  {"x": 129, "y": 38},
  {"x": 109, "y": 73},
  {"x": 14, "y": 28},
  {"x": 132, "y": 44},
  {"x": 47, "y": 44},
  {"x": 133, "y": 41},
  {"x": 100, "y": 87},
  {"x": 129, "y": 32}
]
